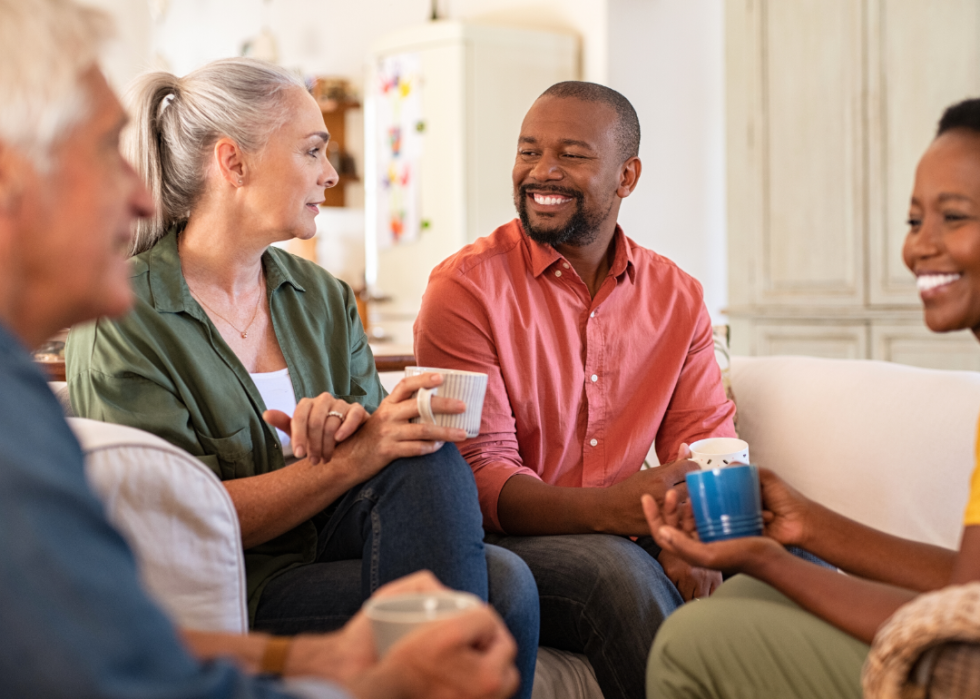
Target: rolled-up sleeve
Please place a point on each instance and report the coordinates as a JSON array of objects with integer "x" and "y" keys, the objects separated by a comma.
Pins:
[
  {"x": 453, "y": 331},
  {"x": 698, "y": 408}
]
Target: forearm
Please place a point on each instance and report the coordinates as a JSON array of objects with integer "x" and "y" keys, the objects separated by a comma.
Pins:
[
  {"x": 868, "y": 553},
  {"x": 967, "y": 567},
  {"x": 380, "y": 682},
  {"x": 245, "y": 651},
  {"x": 854, "y": 605},
  {"x": 529, "y": 507},
  {"x": 273, "y": 503}
]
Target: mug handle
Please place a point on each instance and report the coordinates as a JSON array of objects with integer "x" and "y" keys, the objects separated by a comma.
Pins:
[{"x": 423, "y": 399}]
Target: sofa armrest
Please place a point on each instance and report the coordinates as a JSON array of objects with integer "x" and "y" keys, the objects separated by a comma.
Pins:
[{"x": 177, "y": 517}]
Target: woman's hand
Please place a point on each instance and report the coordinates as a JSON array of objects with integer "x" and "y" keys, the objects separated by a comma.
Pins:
[
  {"x": 730, "y": 556},
  {"x": 388, "y": 435},
  {"x": 318, "y": 424},
  {"x": 785, "y": 511}
]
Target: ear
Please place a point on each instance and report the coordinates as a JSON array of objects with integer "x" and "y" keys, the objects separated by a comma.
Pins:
[
  {"x": 629, "y": 175},
  {"x": 230, "y": 161}
]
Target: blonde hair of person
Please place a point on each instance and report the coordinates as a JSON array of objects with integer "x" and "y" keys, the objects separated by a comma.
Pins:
[
  {"x": 177, "y": 121},
  {"x": 45, "y": 48}
]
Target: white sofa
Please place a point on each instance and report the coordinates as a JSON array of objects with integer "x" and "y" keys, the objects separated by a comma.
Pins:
[{"x": 889, "y": 445}]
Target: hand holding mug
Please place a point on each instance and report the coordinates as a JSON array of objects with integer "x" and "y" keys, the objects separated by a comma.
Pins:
[
  {"x": 729, "y": 556},
  {"x": 470, "y": 387},
  {"x": 388, "y": 434}
]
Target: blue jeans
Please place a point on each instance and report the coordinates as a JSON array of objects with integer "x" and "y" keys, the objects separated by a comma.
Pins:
[
  {"x": 601, "y": 595},
  {"x": 417, "y": 513}
]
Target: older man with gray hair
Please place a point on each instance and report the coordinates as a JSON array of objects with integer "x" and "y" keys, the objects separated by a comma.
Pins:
[{"x": 74, "y": 621}]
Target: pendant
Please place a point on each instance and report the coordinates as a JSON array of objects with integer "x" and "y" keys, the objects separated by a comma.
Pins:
[{"x": 245, "y": 335}]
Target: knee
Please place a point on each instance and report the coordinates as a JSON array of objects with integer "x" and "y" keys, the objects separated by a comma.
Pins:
[
  {"x": 441, "y": 474},
  {"x": 619, "y": 572},
  {"x": 444, "y": 468},
  {"x": 510, "y": 578},
  {"x": 514, "y": 594},
  {"x": 675, "y": 654}
]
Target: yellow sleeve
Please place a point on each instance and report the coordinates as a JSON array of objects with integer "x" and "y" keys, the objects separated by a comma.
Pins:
[{"x": 972, "y": 516}]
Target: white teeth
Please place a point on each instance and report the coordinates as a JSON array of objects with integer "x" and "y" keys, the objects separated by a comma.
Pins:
[
  {"x": 549, "y": 201},
  {"x": 925, "y": 282}
]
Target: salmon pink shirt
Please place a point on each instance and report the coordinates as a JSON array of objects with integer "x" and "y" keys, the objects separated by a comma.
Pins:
[{"x": 579, "y": 387}]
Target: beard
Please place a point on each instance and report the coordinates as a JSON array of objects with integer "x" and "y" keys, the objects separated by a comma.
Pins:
[{"x": 580, "y": 230}]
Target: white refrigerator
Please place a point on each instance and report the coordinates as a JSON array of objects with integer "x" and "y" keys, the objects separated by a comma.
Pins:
[{"x": 444, "y": 103}]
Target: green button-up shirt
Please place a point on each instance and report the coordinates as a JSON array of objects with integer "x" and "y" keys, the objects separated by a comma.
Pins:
[{"x": 164, "y": 368}]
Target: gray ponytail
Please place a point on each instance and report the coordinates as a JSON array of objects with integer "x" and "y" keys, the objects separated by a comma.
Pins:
[{"x": 176, "y": 122}]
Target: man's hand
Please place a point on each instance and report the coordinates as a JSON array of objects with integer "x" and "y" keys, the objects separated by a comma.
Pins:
[
  {"x": 469, "y": 656},
  {"x": 691, "y": 581},
  {"x": 622, "y": 510},
  {"x": 345, "y": 655}
]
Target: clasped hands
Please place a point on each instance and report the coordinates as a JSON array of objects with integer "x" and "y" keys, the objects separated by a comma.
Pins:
[{"x": 319, "y": 426}]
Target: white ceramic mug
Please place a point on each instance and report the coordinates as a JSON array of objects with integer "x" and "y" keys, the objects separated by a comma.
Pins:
[
  {"x": 393, "y": 617},
  {"x": 719, "y": 452},
  {"x": 467, "y": 386}
]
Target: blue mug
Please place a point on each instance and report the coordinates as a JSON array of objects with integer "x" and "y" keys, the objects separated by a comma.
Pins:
[{"x": 727, "y": 502}]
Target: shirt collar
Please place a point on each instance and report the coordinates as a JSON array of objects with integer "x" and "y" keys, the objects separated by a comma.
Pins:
[
  {"x": 623, "y": 260},
  {"x": 542, "y": 256},
  {"x": 169, "y": 290}
]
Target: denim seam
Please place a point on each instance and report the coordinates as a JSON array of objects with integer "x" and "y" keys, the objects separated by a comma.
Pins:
[{"x": 375, "y": 548}]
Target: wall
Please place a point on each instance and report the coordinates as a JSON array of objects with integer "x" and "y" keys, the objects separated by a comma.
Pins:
[
  {"x": 320, "y": 37},
  {"x": 666, "y": 56},
  {"x": 128, "y": 54}
]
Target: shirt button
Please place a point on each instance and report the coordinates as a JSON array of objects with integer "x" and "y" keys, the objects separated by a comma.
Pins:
[
  {"x": 557, "y": 272},
  {"x": 565, "y": 265},
  {"x": 592, "y": 314},
  {"x": 594, "y": 378},
  {"x": 594, "y": 442}
]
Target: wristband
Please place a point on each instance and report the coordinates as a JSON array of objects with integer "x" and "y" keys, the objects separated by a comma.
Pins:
[{"x": 274, "y": 655}]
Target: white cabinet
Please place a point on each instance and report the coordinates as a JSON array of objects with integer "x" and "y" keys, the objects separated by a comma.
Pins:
[
  {"x": 830, "y": 104},
  {"x": 478, "y": 81}
]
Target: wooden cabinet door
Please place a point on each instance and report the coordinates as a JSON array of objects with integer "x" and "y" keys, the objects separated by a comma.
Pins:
[
  {"x": 796, "y": 172},
  {"x": 922, "y": 56}
]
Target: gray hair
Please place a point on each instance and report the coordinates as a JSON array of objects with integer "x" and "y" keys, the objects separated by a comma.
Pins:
[
  {"x": 177, "y": 121},
  {"x": 45, "y": 48}
]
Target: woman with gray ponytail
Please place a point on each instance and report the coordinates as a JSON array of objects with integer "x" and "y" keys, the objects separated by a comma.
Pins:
[{"x": 255, "y": 361}]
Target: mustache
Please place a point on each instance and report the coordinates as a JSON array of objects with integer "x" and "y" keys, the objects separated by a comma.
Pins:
[{"x": 526, "y": 189}]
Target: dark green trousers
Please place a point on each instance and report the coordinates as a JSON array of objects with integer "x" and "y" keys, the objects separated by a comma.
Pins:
[{"x": 748, "y": 641}]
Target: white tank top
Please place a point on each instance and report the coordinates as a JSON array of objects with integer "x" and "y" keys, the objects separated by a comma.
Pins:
[{"x": 277, "y": 391}]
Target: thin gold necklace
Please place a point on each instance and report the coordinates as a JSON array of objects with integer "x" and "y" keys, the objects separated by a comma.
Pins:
[{"x": 244, "y": 333}]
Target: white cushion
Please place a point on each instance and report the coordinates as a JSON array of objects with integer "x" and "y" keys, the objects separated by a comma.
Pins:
[
  {"x": 178, "y": 519},
  {"x": 390, "y": 379},
  {"x": 888, "y": 445},
  {"x": 560, "y": 674}
]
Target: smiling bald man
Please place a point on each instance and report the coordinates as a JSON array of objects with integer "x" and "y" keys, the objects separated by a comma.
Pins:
[{"x": 596, "y": 349}]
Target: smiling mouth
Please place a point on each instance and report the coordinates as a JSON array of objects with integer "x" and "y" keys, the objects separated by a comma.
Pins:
[
  {"x": 549, "y": 199},
  {"x": 928, "y": 282}
]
